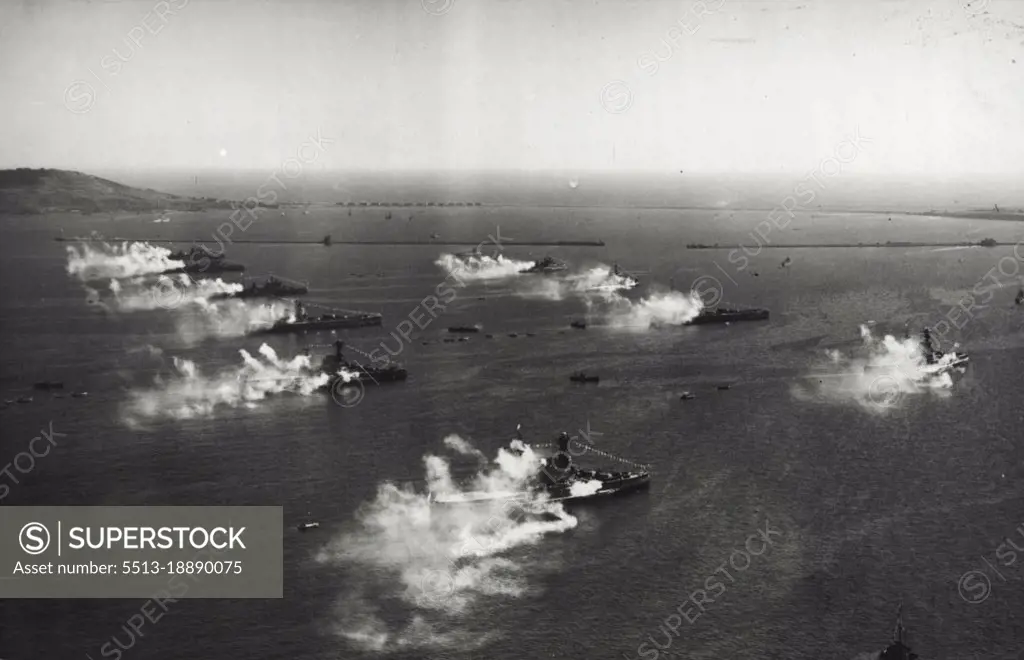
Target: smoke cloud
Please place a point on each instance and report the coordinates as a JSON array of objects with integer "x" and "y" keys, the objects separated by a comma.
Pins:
[
  {"x": 886, "y": 371},
  {"x": 441, "y": 550},
  {"x": 187, "y": 393},
  {"x": 480, "y": 268},
  {"x": 655, "y": 310},
  {"x": 599, "y": 279},
  {"x": 118, "y": 261},
  {"x": 228, "y": 318},
  {"x": 167, "y": 292}
]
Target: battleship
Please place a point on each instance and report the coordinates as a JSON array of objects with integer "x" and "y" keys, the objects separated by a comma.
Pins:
[
  {"x": 630, "y": 281},
  {"x": 546, "y": 265},
  {"x": 332, "y": 365},
  {"x": 725, "y": 315},
  {"x": 272, "y": 287},
  {"x": 559, "y": 480},
  {"x": 938, "y": 361},
  {"x": 898, "y": 650},
  {"x": 300, "y": 321},
  {"x": 199, "y": 259}
]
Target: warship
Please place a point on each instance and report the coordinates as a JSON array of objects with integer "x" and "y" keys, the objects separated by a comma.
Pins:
[
  {"x": 300, "y": 321},
  {"x": 560, "y": 480},
  {"x": 630, "y": 281},
  {"x": 199, "y": 259},
  {"x": 546, "y": 265},
  {"x": 333, "y": 364},
  {"x": 941, "y": 362},
  {"x": 272, "y": 287},
  {"x": 898, "y": 650},
  {"x": 725, "y": 315}
]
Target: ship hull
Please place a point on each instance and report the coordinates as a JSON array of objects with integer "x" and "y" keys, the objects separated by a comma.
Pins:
[
  {"x": 542, "y": 271},
  {"x": 555, "y": 493},
  {"x": 213, "y": 267},
  {"x": 248, "y": 295},
  {"x": 339, "y": 323},
  {"x": 369, "y": 376},
  {"x": 730, "y": 317}
]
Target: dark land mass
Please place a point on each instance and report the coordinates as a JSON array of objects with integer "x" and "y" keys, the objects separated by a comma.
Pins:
[
  {"x": 35, "y": 191},
  {"x": 28, "y": 191}
]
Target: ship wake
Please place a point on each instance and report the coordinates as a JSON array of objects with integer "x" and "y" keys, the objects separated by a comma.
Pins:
[
  {"x": 440, "y": 559},
  {"x": 187, "y": 393},
  {"x": 671, "y": 308},
  {"x": 118, "y": 261},
  {"x": 881, "y": 377}
]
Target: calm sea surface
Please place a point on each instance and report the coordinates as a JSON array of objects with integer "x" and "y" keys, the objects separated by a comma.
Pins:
[{"x": 869, "y": 506}]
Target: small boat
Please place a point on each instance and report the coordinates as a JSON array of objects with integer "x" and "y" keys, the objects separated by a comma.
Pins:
[
  {"x": 306, "y": 526},
  {"x": 582, "y": 377},
  {"x": 687, "y": 396},
  {"x": 1020, "y": 297},
  {"x": 49, "y": 385},
  {"x": 579, "y": 325},
  {"x": 464, "y": 329},
  {"x": 463, "y": 338},
  {"x": 513, "y": 334},
  {"x": 489, "y": 336},
  {"x": 24, "y": 399},
  {"x": 79, "y": 395},
  {"x": 724, "y": 387}
]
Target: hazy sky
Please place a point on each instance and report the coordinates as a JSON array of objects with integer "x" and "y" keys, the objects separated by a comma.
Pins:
[{"x": 937, "y": 86}]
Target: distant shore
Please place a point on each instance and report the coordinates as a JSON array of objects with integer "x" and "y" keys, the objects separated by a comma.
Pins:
[{"x": 888, "y": 244}]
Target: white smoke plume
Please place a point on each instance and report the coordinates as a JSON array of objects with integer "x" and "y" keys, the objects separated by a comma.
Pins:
[
  {"x": 459, "y": 445},
  {"x": 167, "y": 292},
  {"x": 472, "y": 268},
  {"x": 657, "y": 309},
  {"x": 882, "y": 375},
  {"x": 228, "y": 318},
  {"x": 600, "y": 279},
  {"x": 442, "y": 549},
  {"x": 117, "y": 261},
  {"x": 188, "y": 394},
  {"x": 584, "y": 488}
]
